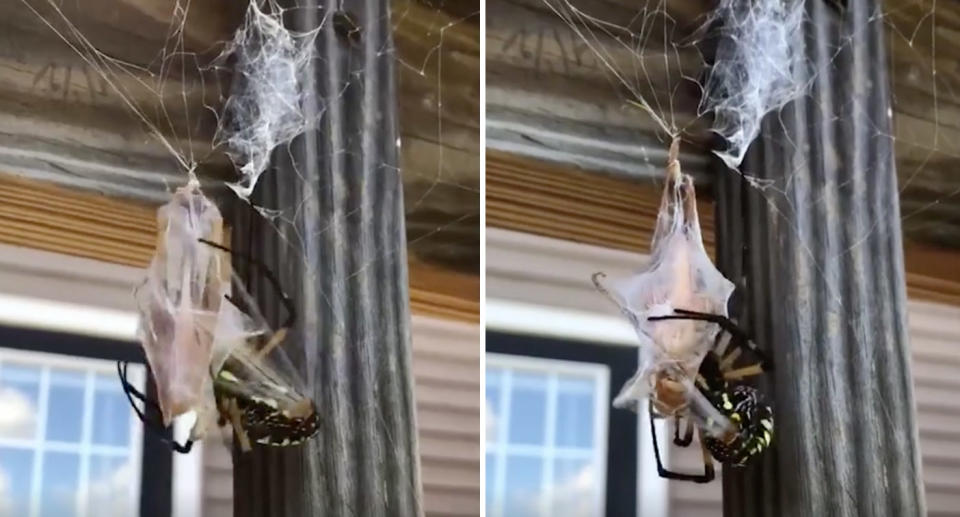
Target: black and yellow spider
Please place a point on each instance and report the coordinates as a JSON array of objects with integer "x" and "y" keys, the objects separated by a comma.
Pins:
[
  {"x": 258, "y": 405},
  {"x": 744, "y": 406}
]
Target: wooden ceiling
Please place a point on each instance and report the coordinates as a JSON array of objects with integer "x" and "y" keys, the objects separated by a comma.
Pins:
[
  {"x": 61, "y": 121},
  {"x": 550, "y": 96}
]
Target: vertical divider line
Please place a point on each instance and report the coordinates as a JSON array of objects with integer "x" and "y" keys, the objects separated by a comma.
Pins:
[
  {"x": 601, "y": 432},
  {"x": 549, "y": 439},
  {"x": 502, "y": 439},
  {"x": 83, "y": 476},
  {"x": 37, "y": 473}
]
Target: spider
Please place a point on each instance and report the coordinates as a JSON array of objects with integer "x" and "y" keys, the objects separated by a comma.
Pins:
[
  {"x": 743, "y": 405},
  {"x": 284, "y": 418}
]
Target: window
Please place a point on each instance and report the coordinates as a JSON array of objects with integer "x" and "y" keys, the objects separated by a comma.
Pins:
[
  {"x": 554, "y": 448},
  {"x": 69, "y": 444},
  {"x": 545, "y": 449}
]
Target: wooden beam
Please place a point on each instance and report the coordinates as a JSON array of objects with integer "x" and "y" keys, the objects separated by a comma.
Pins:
[
  {"x": 439, "y": 79},
  {"x": 62, "y": 120},
  {"x": 551, "y": 95}
]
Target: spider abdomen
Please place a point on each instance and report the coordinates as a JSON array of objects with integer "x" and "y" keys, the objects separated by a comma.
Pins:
[
  {"x": 266, "y": 424},
  {"x": 747, "y": 409}
]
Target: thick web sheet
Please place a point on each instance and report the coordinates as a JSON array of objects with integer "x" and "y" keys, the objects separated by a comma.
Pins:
[
  {"x": 268, "y": 92},
  {"x": 758, "y": 69}
]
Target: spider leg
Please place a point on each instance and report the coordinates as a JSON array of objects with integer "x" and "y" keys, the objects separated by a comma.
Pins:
[
  {"x": 740, "y": 338},
  {"x": 746, "y": 371},
  {"x": 708, "y": 473},
  {"x": 156, "y": 428},
  {"x": 233, "y": 412},
  {"x": 687, "y": 435},
  {"x": 275, "y": 340},
  {"x": 721, "y": 343},
  {"x": 727, "y": 362},
  {"x": 269, "y": 274},
  {"x": 603, "y": 290},
  {"x": 131, "y": 391}
]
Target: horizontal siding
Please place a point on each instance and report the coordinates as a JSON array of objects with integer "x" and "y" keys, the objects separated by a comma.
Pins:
[
  {"x": 447, "y": 377},
  {"x": 217, "y": 480},
  {"x": 691, "y": 499},
  {"x": 935, "y": 341},
  {"x": 935, "y": 338}
]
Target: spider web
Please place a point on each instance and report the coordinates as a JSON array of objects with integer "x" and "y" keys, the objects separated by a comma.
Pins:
[
  {"x": 222, "y": 108},
  {"x": 653, "y": 55}
]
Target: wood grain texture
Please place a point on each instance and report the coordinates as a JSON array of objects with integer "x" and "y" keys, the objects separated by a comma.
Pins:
[
  {"x": 552, "y": 95},
  {"x": 438, "y": 53},
  {"x": 826, "y": 296},
  {"x": 555, "y": 201}
]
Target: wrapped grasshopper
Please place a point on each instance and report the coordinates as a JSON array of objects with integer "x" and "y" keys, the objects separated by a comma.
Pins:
[{"x": 207, "y": 355}]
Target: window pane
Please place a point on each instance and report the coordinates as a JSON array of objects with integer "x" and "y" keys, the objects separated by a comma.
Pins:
[
  {"x": 60, "y": 476},
  {"x": 575, "y": 413},
  {"x": 575, "y": 488},
  {"x": 491, "y": 479},
  {"x": 528, "y": 406},
  {"x": 111, "y": 478},
  {"x": 522, "y": 495},
  {"x": 19, "y": 394},
  {"x": 65, "y": 410},
  {"x": 111, "y": 413},
  {"x": 492, "y": 405},
  {"x": 16, "y": 467}
]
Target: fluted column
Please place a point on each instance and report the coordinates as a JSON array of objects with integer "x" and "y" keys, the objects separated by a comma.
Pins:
[
  {"x": 816, "y": 251},
  {"x": 339, "y": 246}
]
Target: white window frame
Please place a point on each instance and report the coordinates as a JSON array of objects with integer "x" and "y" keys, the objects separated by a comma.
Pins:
[
  {"x": 39, "y": 445},
  {"x": 553, "y": 368}
]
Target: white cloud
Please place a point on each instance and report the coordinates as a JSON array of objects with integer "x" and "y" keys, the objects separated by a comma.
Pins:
[
  {"x": 573, "y": 497},
  {"x": 110, "y": 494},
  {"x": 491, "y": 421},
  {"x": 6, "y": 497},
  {"x": 18, "y": 416},
  {"x": 577, "y": 496}
]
